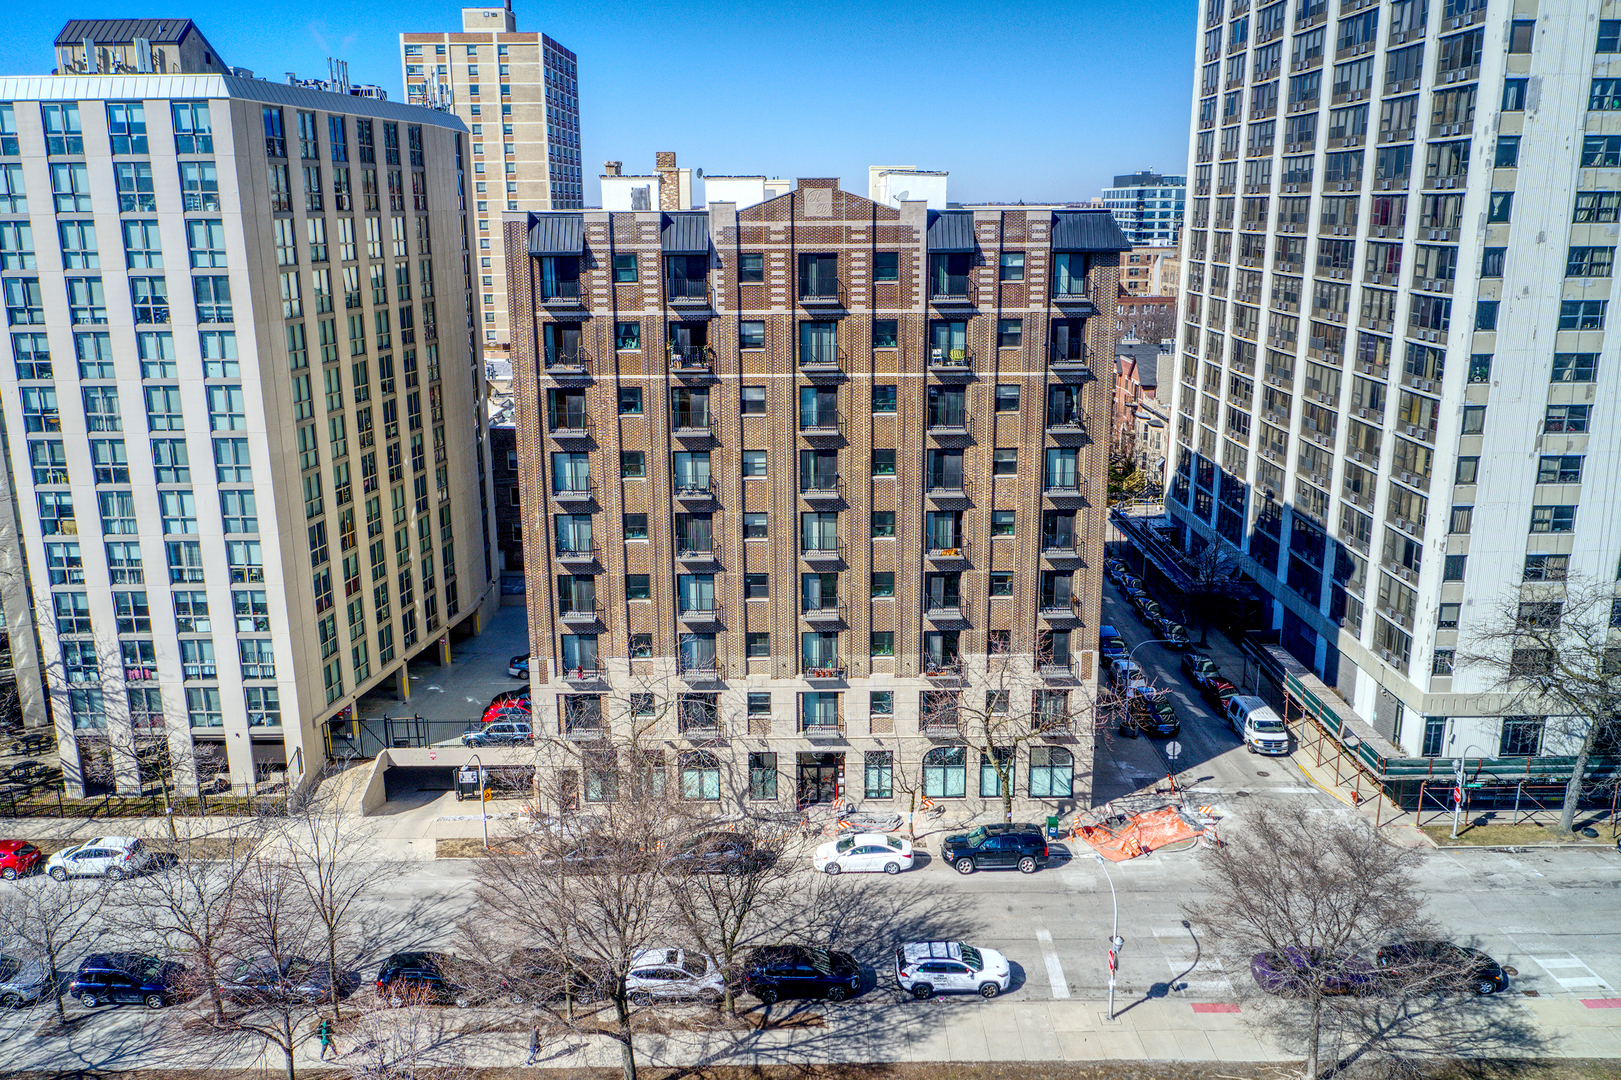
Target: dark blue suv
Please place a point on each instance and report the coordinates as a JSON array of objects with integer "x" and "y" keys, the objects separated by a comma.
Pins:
[{"x": 128, "y": 979}]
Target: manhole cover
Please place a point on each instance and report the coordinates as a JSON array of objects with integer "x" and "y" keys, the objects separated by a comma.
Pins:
[
  {"x": 1511, "y": 971},
  {"x": 1529, "y": 993},
  {"x": 1242, "y": 794},
  {"x": 1262, "y": 772}
]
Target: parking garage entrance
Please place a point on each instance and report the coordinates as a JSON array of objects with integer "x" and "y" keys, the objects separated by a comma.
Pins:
[{"x": 821, "y": 778}]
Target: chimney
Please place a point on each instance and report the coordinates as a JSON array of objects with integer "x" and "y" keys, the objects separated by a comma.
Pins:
[
  {"x": 669, "y": 182},
  {"x": 611, "y": 168}
]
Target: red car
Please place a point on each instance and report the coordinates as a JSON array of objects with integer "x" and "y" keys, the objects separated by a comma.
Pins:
[
  {"x": 1216, "y": 691},
  {"x": 19, "y": 857}
]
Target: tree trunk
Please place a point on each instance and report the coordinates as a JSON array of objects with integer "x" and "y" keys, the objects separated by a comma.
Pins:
[
  {"x": 1573, "y": 788},
  {"x": 292, "y": 1069},
  {"x": 1007, "y": 798},
  {"x": 1314, "y": 1034},
  {"x": 627, "y": 1052},
  {"x": 332, "y": 972},
  {"x": 911, "y": 816}
]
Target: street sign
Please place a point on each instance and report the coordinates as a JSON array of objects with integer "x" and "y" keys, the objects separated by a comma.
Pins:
[{"x": 1173, "y": 749}]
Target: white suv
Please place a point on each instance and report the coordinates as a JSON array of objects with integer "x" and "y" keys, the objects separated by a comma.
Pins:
[
  {"x": 925, "y": 968},
  {"x": 111, "y": 857},
  {"x": 674, "y": 975}
]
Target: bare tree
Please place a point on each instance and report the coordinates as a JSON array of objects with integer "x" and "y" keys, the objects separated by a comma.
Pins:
[
  {"x": 1297, "y": 898},
  {"x": 50, "y": 921},
  {"x": 1214, "y": 581},
  {"x": 410, "y": 1043},
  {"x": 1552, "y": 655}
]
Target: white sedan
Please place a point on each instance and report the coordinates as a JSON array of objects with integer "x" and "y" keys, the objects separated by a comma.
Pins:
[
  {"x": 674, "y": 975},
  {"x": 866, "y": 853}
]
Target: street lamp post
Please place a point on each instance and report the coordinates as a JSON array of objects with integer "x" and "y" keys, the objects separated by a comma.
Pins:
[
  {"x": 483, "y": 807},
  {"x": 1457, "y": 790},
  {"x": 1115, "y": 942}
]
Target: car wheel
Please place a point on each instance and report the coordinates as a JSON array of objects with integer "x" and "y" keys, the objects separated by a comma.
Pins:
[
  {"x": 892, "y": 868},
  {"x": 832, "y": 868},
  {"x": 837, "y": 993},
  {"x": 965, "y": 866},
  {"x": 114, "y": 874},
  {"x": 464, "y": 1001},
  {"x": 1250, "y": 747},
  {"x": 89, "y": 1001},
  {"x": 515, "y": 999},
  {"x": 396, "y": 1002},
  {"x": 1485, "y": 986},
  {"x": 11, "y": 1001},
  {"x": 989, "y": 990},
  {"x": 767, "y": 994},
  {"x": 923, "y": 991},
  {"x": 1027, "y": 865},
  {"x": 58, "y": 874},
  {"x": 154, "y": 1001},
  {"x": 9, "y": 873},
  {"x": 640, "y": 997}
]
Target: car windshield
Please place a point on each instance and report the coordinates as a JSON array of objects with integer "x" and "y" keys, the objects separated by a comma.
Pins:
[
  {"x": 971, "y": 957},
  {"x": 894, "y": 842},
  {"x": 820, "y": 960},
  {"x": 9, "y": 966},
  {"x": 845, "y": 845},
  {"x": 694, "y": 965},
  {"x": 1269, "y": 725},
  {"x": 1165, "y": 711},
  {"x": 976, "y": 836}
]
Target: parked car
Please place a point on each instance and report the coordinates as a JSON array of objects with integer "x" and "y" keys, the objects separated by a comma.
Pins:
[
  {"x": 518, "y": 667},
  {"x": 1172, "y": 634},
  {"x": 534, "y": 975},
  {"x": 1216, "y": 691},
  {"x": 1148, "y": 610},
  {"x": 420, "y": 978},
  {"x": 1017, "y": 846},
  {"x": 1293, "y": 971},
  {"x": 501, "y": 733},
  {"x": 720, "y": 853},
  {"x": 1451, "y": 967},
  {"x": 1150, "y": 716},
  {"x": 22, "y": 982},
  {"x": 269, "y": 979},
  {"x": 925, "y": 968},
  {"x": 674, "y": 975},
  {"x": 1199, "y": 668},
  {"x": 127, "y": 979},
  {"x": 510, "y": 711},
  {"x": 800, "y": 971},
  {"x": 1130, "y": 583},
  {"x": 1254, "y": 721},
  {"x": 112, "y": 857},
  {"x": 19, "y": 858},
  {"x": 1114, "y": 568},
  {"x": 1111, "y": 644},
  {"x": 1132, "y": 593},
  {"x": 864, "y": 853},
  {"x": 597, "y": 854},
  {"x": 520, "y": 696}
]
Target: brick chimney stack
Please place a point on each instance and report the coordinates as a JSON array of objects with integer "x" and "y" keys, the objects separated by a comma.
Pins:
[
  {"x": 669, "y": 182},
  {"x": 611, "y": 168}
]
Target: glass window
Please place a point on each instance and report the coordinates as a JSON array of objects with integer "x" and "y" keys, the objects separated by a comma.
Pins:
[
  {"x": 883, "y": 462},
  {"x": 883, "y": 643},
  {"x": 878, "y": 766},
  {"x": 758, "y": 645},
  {"x": 633, "y": 464},
  {"x": 752, "y": 400},
  {"x": 945, "y": 772},
  {"x": 700, "y": 775},
  {"x": 883, "y": 584},
  {"x": 1007, "y": 398},
  {"x": 883, "y": 399},
  {"x": 754, "y": 462},
  {"x": 886, "y": 266},
  {"x": 1001, "y": 583},
  {"x": 624, "y": 269},
  {"x": 630, "y": 401},
  {"x": 635, "y": 527},
  {"x": 1009, "y": 335},
  {"x": 763, "y": 776},
  {"x": 755, "y": 525},
  {"x": 1012, "y": 266},
  {"x": 751, "y": 334},
  {"x": 1052, "y": 772},
  {"x": 628, "y": 338},
  {"x": 883, "y": 524},
  {"x": 750, "y": 267},
  {"x": 1002, "y": 522},
  {"x": 885, "y": 333}
]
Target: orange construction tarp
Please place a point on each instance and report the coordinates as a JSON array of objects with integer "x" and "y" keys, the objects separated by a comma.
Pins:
[{"x": 1140, "y": 834}]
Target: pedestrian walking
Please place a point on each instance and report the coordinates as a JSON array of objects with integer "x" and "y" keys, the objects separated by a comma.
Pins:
[
  {"x": 324, "y": 1030},
  {"x": 534, "y": 1044}
]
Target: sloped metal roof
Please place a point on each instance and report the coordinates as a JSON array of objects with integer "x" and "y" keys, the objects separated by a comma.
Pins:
[
  {"x": 123, "y": 31},
  {"x": 951, "y": 230},
  {"x": 1087, "y": 230},
  {"x": 686, "y": 233},
  {"x": 556, "y": 234}
]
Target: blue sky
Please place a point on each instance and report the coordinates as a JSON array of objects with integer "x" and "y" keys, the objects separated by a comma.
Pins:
[{"x": 1017, "y": 100}]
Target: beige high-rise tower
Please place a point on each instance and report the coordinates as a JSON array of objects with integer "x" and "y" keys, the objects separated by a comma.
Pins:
[{"x": 518, "y": 94}]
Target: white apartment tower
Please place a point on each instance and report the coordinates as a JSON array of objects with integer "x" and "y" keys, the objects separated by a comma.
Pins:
[
  {"x": 519, "y": 95},
  {"x": 239, "y": 410},
  {"x": 1396, "y": 371}
]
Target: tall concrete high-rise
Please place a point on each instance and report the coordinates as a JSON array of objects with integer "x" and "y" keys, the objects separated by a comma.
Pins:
[
  {"x": 519, "y": 95},
  {"x": 1392, "y": 386},
  {"x": 247, "y": 463}
]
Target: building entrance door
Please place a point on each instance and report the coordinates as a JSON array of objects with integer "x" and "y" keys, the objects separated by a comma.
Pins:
[{"x": 821, "y": 778}]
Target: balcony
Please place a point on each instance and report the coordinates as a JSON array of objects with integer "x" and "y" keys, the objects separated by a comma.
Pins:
[
  {"x": 1055, "y": 725},
  {"x": 960, "y": 490},
  {"x": 568, "y": 363},
  {"x": 822, "y": 489},
  {"x": 581, "y": 493},
  {"x": 1062, "y": 358},
  {"x": 563, "y": 293},
  {"x": 702, "y": 671},
  {"x": 957, "y": 554},
  {"x": 951, "y": 424},
  {"x": 1061, "y": 549},
  {"x": 820, "y": 732},
  {"x": 580, "y": 675},
  {"x": 941, "y": 724},
  {"x": 823, "y": 291},
  {"x": 687, "y": 292},
  {"x": 951, "y": 289},
  {"x": 698, "y": 723},
  {"x": 685, "y": 552},
  {"x": 821, "y": 424},
  {"x": 692, "y": 425},
  {"x": 582, "y": 728},
  {"x": 951, "y": 362},
  {"x": 1065, "y": 423},
  {"x": 692, "y": 360},
  {"x": 580, "y": 613},
  {"x": 832, "y": 554},
  {"x": 948, "y": 610},
  {"x": 577, "y": 553},
  {"x": 695, "y": 491},
  {"x": 699, "y": 614},
  {"x": 1076, "y": 300},
  {"x": 821, "y": 362},
  {"x": 573, "y": 427},
  {"x": 824, "y": 673},
  {"x": 1061, "y": 610},
  {"x": 828, "y": 611},
  {"x": 1065, "y": 489}
]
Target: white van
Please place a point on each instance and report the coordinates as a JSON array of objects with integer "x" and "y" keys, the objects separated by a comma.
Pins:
[{"x": 1254, "y": 721}]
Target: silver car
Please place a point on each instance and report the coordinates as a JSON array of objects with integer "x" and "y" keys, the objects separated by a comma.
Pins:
[{"x": 22, "y": 982}]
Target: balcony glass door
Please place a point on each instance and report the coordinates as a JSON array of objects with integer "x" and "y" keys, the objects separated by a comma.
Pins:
[
  {"x": 571, "y": 472},
  {"x": 698, "y": 652},
  {"x": 820, "y": 532},
  {"x": 574, "y": 532},
  {"x": 820, "y": 649},
  {"x": 948, "y": 341},
  {"x": 692, "y": 471},
  {"x": 1055, "y": 589},
  {"x": 818, "y": 407},
  {"x": 1069, "y": 273},
  {"x": 948, "y": 406},
  {"x": 818, "y": 343},
  {"x": 1062, "y": 468},
  {"x": 818, "y": 470},
  {"x": 562, "y": 343},
  {"x": 694, "y": 533},
  {"x": 945, "y": 470},
  {"x": 1067, "y": 338},
  {"x": 945, "y": 592},
  {"x": 579, "y": 652},
  {"x": 696, "y": 592},
  {"x": 1063, "y": 406},
  {"x": 944, "y": 530},
  {"x": 1058, "y": 531},
  {"x": 690, "y": 408},
  {"x": 820, "y": 591}
]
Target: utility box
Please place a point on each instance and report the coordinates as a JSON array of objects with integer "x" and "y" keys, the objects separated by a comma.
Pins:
[{"x": 471, "y": 781}]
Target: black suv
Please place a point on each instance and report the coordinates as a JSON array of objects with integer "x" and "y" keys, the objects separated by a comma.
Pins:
[
  {"x": 1150, "y": 716},
  {"x": 127, "y": 979},
  {"x": 996, "y": 847},
  {"x": 798, "y": 971},
  {"x": 419, "y": 978}
]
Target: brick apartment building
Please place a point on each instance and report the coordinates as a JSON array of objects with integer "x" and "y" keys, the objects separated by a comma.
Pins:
[{"x": 796, "y": 469}]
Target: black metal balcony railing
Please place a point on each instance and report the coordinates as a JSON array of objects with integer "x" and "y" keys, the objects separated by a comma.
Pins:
[
  {"x": 941, "y": 723},
  {"x": 955, "y": 360},
  {"x": 559, "y": 292},
  {"x": 1060, "y": 547},
  {"x": 695, "y": 490},
  {"x": 821, "y": 488},
  {"x": 582, "y": 728},
  {"x": 575, "y": 361},
  {"x": 834, "y": 553},
  {"x": 701, "y": 612},
  {"x": 692, "y": 358},
  {"x": 698, "y": 722},
  {"x": 576, "y": 552},
  {"x": 954, "y": 552},
  {"x": 1067, "y": 356},
  {"x": 820, "y": 422},
  {"x": 1063, "y": 609},
  {"x": 951, "y": 288},
  {"x": 823, "y": 360},
  {"x": 1065, "y": 422},
  {"x": 702, "y": 669},
  {"x": 823, "y": 672},
  {"x": 686, "y": 290},
  {"x": 579, "y": 674},
  {"x": 822, "y": 611},
  {"x": 815, "y": 730},
  {"x": 578, "y": 610},
  {"x": 692, "y": 425},
  {"x": 959, "y": 488},
  {"x": 581, "y": 491},
  {"x": 572, "y": 426},
  {"x": 952, "y": 421},
  {"x": 694, "y": 551},
  {"x": 946, "y": 609},
  {"x": 1053, "y": 722},
  {"x": 1065, "y": 489},
  {"x": 823, "y": 289}
]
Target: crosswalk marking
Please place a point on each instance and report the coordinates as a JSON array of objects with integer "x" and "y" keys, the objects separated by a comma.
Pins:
[
  {"x": 1055, "y": 970},
  {"x": 1587, "y": 979}
]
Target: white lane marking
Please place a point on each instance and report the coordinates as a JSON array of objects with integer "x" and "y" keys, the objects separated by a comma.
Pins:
[
  {"x": 1587, "y": 981},
  {"x": 1055, "y": 970}
]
